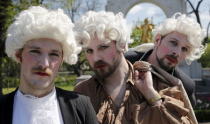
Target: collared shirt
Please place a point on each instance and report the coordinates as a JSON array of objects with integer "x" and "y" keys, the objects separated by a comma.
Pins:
[
  {"x": 134, "y": 109},
  {"x": 32, "y": 110}
]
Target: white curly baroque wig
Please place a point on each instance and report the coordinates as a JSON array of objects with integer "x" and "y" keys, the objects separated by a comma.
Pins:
[
  {"x": 186, "y": 25},
  {"x": 106, "y": 26},
  {"x": 38, "y": 22}
]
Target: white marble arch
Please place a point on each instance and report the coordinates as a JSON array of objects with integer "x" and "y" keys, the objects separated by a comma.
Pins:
[{"x": 169, "y": 7}]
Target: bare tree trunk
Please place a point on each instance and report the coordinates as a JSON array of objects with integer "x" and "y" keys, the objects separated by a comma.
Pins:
[
  {"x": 196, "y": 10},
  {"x": 41, "y": 1},
  {"x": 208, "y": 29},
  {"x": 208, "y": 26}
]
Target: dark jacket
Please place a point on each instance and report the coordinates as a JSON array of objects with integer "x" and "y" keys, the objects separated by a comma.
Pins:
[
  {"x": 188, "y": 83},
  {"x": 75, "y": 108}
]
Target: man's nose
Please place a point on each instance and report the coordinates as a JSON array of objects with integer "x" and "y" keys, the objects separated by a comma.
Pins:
[
  {"x": 44, "y": 61},
  {"x": 96, "y": 56},
  {"x": 177, "y": 51}
]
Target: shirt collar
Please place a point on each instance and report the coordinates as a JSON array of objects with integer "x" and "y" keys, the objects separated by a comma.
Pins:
[
  {"x": 29, "y": 96},
  {"x": 131, "y": 73}
]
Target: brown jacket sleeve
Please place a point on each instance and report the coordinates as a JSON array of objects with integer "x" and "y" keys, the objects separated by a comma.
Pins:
[{"x": 172, "y": 110}]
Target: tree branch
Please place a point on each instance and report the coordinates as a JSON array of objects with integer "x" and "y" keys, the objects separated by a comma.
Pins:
[
  {"x": 198, "y": 5},
  {"x": 41, "y": 2},
  {"x": 190, "y": 12},
  {"x": 191, "y": 5}
]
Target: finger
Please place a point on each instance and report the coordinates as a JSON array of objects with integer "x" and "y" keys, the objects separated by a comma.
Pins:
[
  {"x": 136, "y": 75},
  {"x": 148, "y": 74}
]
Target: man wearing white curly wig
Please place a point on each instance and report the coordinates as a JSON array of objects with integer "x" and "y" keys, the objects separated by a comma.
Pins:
[
  {"x": 176, "y": 39},
  {"x": 40, "y": 40},
  {"x": 122, "y": 93}
]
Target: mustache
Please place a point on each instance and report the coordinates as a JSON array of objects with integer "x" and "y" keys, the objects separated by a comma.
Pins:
[
  {"x": 98, "y": 63},
  {"x": 42, "y": 70},
  {"x": 173, "y": 57}
]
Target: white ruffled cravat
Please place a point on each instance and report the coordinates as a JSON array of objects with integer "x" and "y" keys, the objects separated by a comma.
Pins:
[{"x": 32, "y": 110}]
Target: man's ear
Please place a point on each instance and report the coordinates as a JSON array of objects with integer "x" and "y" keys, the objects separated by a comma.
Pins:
[
  {"x": 18, "y": 55},
  {"x": 62, "y": 61},
  {"x": 157, "y": 39}
]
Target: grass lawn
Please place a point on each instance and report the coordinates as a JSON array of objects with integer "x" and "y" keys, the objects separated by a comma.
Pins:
[{"x": 8, "y": 90}]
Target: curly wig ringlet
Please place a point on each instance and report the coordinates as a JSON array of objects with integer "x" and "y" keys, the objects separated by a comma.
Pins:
[
  {"x": 186, "y": 25},
  {"x": 106, "y": 26},
  {"x": 38, "y": 22}
]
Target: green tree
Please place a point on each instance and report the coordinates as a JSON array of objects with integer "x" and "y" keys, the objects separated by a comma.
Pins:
[
  {"x": 8, "y": 10},
  {"x": 136, "y": 35},
  {"x": 6, "y": 16},
  {"x": 205, "y": 58}
]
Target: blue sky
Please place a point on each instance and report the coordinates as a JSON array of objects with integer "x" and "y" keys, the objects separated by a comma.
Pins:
[{"x": 153, "y": 12}]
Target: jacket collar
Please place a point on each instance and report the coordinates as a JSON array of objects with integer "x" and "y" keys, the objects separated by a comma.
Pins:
[
  {"x": 8, "y": 108},
  {"x": 66, "y": 108}
]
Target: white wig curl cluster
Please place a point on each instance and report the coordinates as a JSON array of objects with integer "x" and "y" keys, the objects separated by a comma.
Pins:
[
  {"x": 38, "y": 22},
  {"x": 106, "y": 26},
  {"x": 186, "y": 25}
]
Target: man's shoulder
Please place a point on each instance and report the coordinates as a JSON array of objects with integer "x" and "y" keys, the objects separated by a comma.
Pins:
[
  {"x": 5, "y": 98},
  {"x": 181, "y": 75},
  {"x": 70, "y": 95},
  {"x": 67, "y": 93},
  {"x": 188, "y": 82},
  {"x": 133, "y": 53},
  {"x": 6, "y": 102},
  {"x": 87, "y": 87},
  {"x": 86, "y": 83},
  {"x": 80, "y": 103},
  {"x": 133, "y": 56}
]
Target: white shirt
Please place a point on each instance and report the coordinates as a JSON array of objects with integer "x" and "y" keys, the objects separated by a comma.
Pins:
[{"x": 28, "y": 109}]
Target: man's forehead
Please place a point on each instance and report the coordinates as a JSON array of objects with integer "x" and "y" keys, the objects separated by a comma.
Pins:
[
  {"x": 44, "y": 43},
  {"x": 178, "y": 36},
  {"x": 98, "y": 43}
]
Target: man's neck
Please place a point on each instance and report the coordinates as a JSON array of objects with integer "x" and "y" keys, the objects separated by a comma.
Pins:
[
  {"x": 119, "y": 76},
  {"x": 152, "y": 59},
  {"x": 115, "y": 85},
  {"x": 37, "y": 93},
  {"x": 34, "y": 91}
]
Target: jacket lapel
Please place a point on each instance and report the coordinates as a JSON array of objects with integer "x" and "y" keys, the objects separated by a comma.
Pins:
[{"x": 66, "y": 107}]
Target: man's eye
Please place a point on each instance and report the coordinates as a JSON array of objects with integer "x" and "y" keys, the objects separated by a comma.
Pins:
[
  {"x": 103, "y": 47},
  {"x": 173, "y": 43},
  {"x": 185, "y": 49},
  {"x": 54, "y": 54},
  {"x": 89, "y": 51},
  {"x": 35, "y": 51}
]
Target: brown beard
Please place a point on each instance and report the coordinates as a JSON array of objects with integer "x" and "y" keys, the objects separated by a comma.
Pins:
[{"x": 102, "y": 74}]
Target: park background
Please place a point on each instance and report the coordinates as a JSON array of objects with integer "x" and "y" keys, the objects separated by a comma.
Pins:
[{"x": 142, "y": 16}]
